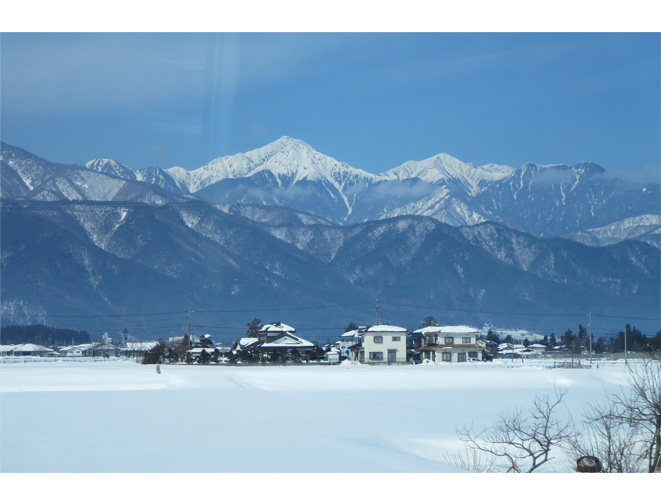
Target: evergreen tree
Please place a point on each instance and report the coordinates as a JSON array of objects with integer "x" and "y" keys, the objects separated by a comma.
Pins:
[
  {"x": 350, "y": 327},
  {"x": 253, "y": 328},
  {"x": 204, "y": 357},
  {"x": 526, "y": 342},
  {"x": 655, "y": 343},
  {"x": 618, "y": 343},
  {"x": 639, "y": 342},
  {"x": 553, "y": 342},
  {"x": 42, "y": 335},
  {"x": 156, "y": 355},
  {"x": 567, "y": 338},
  {"x": 493, "y": 336},
  {"x": 429, "y": 322}
]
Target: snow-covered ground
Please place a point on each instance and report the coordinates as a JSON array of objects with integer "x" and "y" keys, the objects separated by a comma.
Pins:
[{"x": 120, "y": 416}]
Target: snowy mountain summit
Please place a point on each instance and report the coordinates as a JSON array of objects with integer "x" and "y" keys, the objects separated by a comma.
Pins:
[
  {"x": 288, "y": 160},
  {"x": 444, "y": 168}
]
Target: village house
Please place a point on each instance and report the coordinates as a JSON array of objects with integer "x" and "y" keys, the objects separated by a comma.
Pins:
[
  {"x": 27, "y": 350},
  {"x": 513, "y": 350},
  {"x": 450, "y": 344},
  {"x": 276, "y": 342},
  {"x": 346, "y": 341},
  {"x": 537, "y": 348},
  {"x": 381, "y": 344}
]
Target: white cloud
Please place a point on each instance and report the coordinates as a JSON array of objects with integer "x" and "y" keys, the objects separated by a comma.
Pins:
[{"x": 647, "y": 174}]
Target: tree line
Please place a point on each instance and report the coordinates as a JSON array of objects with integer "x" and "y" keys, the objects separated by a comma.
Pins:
[
  {"x": 577, "y": 343},
  {"x": 42, "y": 335}
]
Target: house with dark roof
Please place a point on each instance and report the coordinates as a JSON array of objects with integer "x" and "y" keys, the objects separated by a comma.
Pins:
[{"x": 276, "y": 342}]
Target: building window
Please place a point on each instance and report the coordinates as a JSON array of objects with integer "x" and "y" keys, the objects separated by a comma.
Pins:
[
  {"x": 472, "y": 355},
  {"x": 397, "y": 338},
  {"x": 376, "y": 355},
  {"x": 461, "y": 357},
  {"x": 378, "y": 339},
  {"x": 449, "y": 340},
  {"x": 447, "y": 356},
  {"x": 392, "y": 355},
  {"x": 466, "y": 339}
]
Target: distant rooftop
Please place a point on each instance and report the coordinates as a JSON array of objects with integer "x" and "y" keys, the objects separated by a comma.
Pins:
[
  {"x": 447, "y": 329},
  {"x": 386, "y": 328}
]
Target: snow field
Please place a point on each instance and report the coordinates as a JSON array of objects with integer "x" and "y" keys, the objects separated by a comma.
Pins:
[{"x": 119, "y": 416}]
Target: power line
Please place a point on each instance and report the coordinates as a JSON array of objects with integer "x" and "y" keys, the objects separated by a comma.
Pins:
[
  {"x": 547, "y": 314},
  {"x": 251, "y": 310}
]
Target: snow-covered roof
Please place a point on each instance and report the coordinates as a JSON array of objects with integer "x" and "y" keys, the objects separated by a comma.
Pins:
[
  {"x": 515, "y": 351},
  {"x": 503, "y": 346},
  {"x": 244, "y": 342},
  {"x": 199, "y": 350},
  {"x": 458, "y": 329},
  {"x": 386, "y": 328},
  {"x": 141, "y": 345},
  {"x": 288, "y": 340},
  {"x": 351, "y": 334},
  {"x": 537, "y": 345},
  {"x": 31, "y": 347},
  {"x": 277, "y": 327}
]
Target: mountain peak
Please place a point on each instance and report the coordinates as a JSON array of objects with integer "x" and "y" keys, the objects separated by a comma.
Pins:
[
  {"x": 443, "y": 168},
  {"x": 284, "y": 143}
]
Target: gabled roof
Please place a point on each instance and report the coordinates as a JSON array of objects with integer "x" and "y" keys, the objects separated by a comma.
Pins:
[
  {"x": 31, "y": 347},
  {"x": 515, "y": 351},
  {"x": 286, "y": 341},
  {"x": 199, "y": 350},
  {"x": 277, "y": 327},
  {"x": 247, "y": 342}
]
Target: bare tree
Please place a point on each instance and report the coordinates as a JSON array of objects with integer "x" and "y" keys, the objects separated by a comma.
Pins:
[
  {"x": 614, "y": 443},
  {"x": 639, "y": 410},
  {"x": 523, "y": 441}
]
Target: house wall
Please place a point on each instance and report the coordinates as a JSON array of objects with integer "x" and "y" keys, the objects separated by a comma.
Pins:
[
  {"x": 388, "y": 342},
  {"x": 436, "y": 355}
]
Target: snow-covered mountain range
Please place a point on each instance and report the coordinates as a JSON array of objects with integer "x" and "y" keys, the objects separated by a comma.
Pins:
[
  {"x": 286, "y": 226},
  {"x": 545, "y": 200}
]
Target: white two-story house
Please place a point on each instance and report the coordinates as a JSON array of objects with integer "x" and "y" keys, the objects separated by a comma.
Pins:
[
  {"x": 450, "y": 343},
  {"x": 381, "y": 344}
]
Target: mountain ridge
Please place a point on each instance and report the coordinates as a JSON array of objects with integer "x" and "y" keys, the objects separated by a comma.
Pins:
[{"x": 545, "y": 200}]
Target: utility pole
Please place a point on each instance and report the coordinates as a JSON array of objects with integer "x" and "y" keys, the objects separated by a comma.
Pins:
[
  {"x": 189, "y": 311},
  {"x": 590, "y": 335},
  {"x": 625, "y": 345},
  {"x": 377, "y": 311}
]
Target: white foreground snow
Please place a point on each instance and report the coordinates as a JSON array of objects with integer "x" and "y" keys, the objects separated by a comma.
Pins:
[{"x": 120, "y": 416}]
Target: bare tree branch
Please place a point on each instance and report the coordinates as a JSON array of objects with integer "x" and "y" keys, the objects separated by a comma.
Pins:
[
  {"x": 523, "y": 442},
  {"x": 625, "y": 433}
]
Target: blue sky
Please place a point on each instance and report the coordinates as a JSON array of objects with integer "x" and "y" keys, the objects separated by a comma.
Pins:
[{"x": 374, "y": 100}]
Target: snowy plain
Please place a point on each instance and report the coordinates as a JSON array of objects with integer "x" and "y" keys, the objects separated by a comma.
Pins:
[{"x": 123, "y": 417}]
